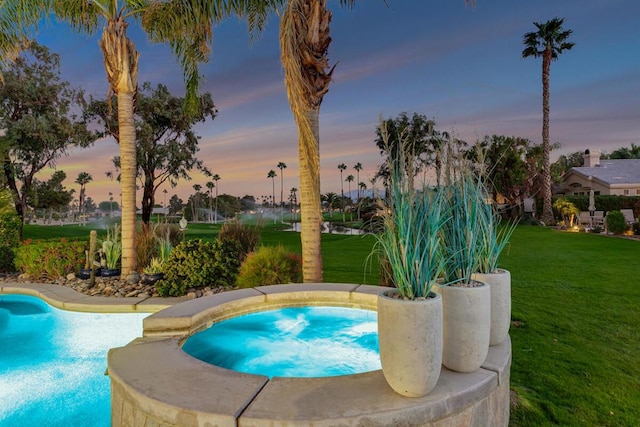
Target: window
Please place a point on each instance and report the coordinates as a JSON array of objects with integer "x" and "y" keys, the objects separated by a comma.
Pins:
[{"x": 626, "y": 192}]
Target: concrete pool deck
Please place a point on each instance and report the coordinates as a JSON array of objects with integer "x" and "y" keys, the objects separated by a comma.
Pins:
[{"x": 155, "y": 383}]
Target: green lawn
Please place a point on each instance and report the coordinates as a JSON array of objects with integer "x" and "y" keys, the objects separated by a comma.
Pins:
[{"x": 575, "y": 336}]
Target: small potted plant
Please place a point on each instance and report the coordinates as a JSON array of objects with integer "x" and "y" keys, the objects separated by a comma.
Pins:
[
  {"x": 112, "y": 252},
  {"x": 466, "y": 302},
  {"x": 410, "y": 316}
]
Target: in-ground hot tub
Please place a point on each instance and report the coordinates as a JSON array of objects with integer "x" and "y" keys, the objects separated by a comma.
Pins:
[{"x": 154, "y": 382}]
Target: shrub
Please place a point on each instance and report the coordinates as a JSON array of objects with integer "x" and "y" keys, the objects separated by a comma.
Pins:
[
  {"x": 247, "y": 235},
  {"x": 636, "y": 228},
  {"x": 270, "y": 265},
  {"x": 146, "y": 245},
  {"x": 616, "y": 223},
  {"x": 195, "y": 264},
  {"x": 50, "y": 260},
  {"x": 10, "y": 229},
  {"x": 6, "y": 259},
  {"x": 169, "y": 231}
]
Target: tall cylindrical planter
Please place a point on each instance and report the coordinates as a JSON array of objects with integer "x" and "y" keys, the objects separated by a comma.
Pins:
[
  {"x": 410, "y": 337},
  {"x": 500, "y": 283},
  {"x": 466, "y": 326}
]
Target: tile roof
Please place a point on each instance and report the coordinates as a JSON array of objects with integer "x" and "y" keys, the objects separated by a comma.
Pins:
[{"x": 617, "y": 171}]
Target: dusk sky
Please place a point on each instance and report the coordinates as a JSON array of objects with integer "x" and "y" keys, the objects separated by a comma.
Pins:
[{"x": 457, "y": 64}]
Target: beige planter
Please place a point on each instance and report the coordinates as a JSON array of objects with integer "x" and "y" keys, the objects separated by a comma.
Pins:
[
  {"x": 500, "y": 283},
  {"x": 410, "y": 336},
  {"x": 466, "y": 326}
]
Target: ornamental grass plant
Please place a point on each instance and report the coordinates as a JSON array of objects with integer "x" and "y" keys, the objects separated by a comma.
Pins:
[
  {"x": 410, "y": 241},
  {"x": 494, "y": 238},
  {"x": 462, "y": 234}
]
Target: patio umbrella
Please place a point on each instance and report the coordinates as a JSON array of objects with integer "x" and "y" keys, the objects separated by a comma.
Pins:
[{"x": 592, "y": 202}]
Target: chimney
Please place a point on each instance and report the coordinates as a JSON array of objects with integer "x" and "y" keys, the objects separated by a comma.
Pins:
[{"x": 591, "y": 159}]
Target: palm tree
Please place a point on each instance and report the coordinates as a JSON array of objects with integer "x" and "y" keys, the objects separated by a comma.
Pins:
[
  {"x": 293, "y": 198},
  {"x": 215, "y": 179},
  {"x": 83, "y": 179},
  {"x": 548, "y": 42},
  {"x": 342, "y": 167},
  {"x": 210, "y": 186},
  {"x": 282, "y": 166},
  {"x": 373, "y": 181},
  {"x": 304, "y": 42},
  {"x": 272, "y": 174},
  {"x": 196, "y": 200},
  {"x": 350, "y": 179},
  {"x": 185, "y": 26},
  {"x": 358, "y": 168}
]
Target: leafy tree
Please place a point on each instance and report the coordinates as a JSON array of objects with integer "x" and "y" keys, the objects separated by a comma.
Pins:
[
  {"x": 626, "y": 152},
  {"x": 51, "y": 194},
  {"x": 548, "y": 42},
  {"x": 248, "y": 203},
  {"x": 186, "y": 26},
  {"x": 564, "y": 163},
  {"x": 166, "y": 145},
  {"x": 89, "y": 205},
  {"x": 39, "y": 113},
  {"x": 176, "y": 205},
  {"x": 228, "y": 205},
  {"x": 108, "y": 206}
]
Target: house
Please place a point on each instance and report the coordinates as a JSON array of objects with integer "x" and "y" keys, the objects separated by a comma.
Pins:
[{"x": 606, "y": 177}]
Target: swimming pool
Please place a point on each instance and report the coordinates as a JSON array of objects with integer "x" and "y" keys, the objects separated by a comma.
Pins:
[{"x": 53, "y": 362}]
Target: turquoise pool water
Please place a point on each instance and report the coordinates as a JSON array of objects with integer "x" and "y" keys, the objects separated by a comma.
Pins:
[
  {"x": 53, "y": 363},
  {"x": 292, "y": 342}
]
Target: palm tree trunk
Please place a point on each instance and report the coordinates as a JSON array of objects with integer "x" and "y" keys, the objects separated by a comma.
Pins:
[
  {"x": 310, "y": 207},
  {"x": 128, "y": 168},
  {"x": 547, "y": 212}
]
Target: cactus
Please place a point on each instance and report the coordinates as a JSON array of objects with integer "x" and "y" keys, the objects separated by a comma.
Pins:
[{"x": 91, "y": 254}]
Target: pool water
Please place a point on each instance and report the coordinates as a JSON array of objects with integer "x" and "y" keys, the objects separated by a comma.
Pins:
[
  {"x": 53, "y": 362},
  {"x": 292, "y": 342}
]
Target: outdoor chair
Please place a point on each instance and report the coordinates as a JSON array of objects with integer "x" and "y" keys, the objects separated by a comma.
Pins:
[
  {"x": 584, "y": 219},
  {"x": 628, "y": 216},
  {"x": 598, "y": 219}
]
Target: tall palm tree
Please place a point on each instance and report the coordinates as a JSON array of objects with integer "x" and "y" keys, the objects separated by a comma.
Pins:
[
  {"x": 185, "y": 26},
  {"x": 210, "y": 186},
  {"x": 196, "y": 200},
  {"x": 83, "y": 179},
  {"x": 281, "y": 166},
  {"x": 342, "y": 167},
  {"x": 272, "y": 174},
  {"x": 304, "y": 43},
  {"x": 358, "y": 168},
  {"x": 548, "y": 42},
  {"x": 349, "y": 179},
  {"x": 215, "y": 177}
]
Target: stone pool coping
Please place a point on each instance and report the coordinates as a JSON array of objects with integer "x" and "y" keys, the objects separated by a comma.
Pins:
[
  {"x": 155, "y": 383},
  {"x": 68, "y": 299}
]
